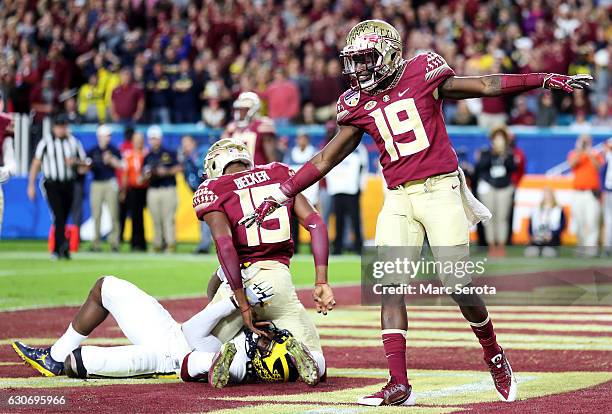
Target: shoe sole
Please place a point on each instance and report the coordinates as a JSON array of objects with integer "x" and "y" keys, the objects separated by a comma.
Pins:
[
  {"x": 377, "y": 402},
  {"x": 32, "y": 362},
  {"x": 307, "y": 367},
  {"x": 220, "y": 369}
]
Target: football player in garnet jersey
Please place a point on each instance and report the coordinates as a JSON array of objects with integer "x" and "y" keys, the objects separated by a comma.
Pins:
[
  {"x": 399, "y": 103},
  {"x": 257, "y": 133},
  {"x": 234, "y": 188}
]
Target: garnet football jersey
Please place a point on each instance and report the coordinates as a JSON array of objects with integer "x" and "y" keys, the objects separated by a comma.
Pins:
[
  {"x": 406, "y": 121},
  {"x": 237, "y": 195},
  {"x": 252, "y": 136}
]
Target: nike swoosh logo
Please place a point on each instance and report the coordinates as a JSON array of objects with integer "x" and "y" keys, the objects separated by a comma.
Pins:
[
  {"x": 400, "y": 94},
  {"x": 312, "y": 226},
  {"x": 455, "y": 186}
]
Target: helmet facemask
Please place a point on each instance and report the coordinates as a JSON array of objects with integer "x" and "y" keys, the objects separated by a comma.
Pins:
[
  {"x": 246, "y": 108},
  {"x": 373, "y": 52}
]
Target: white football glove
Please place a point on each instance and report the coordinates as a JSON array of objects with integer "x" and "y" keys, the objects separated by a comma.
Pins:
[{"x": 259, "y": 293}]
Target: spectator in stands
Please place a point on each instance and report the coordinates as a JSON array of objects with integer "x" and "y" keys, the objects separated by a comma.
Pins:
[
  {"x": 283, "y": 97},
  {"x": 213, "y": 115},
  {"x": 43, "y": 98},
  {"x": 160, "y": 168},
  {"x": 463, "y": 116},
  {"x": 326, "y": 86},
  {"x": 127, "y": 102},
  {"x": 607, "y": 198},
  {"x": 192, "y": 161},
  {"x": 493, "y": 113},
  {"x": 547, "y": 113},
  {"x": 59, "y": 174},
  {"x": 295, "y": 158},
  {"x": 495, "y": 188},
  {"x": 105, "y": 159},
  {"x": 136, "y": 184},
  {"x": 344, "y": 184},
  {"x": 520, "y": 163},
  {"x": 70, "y": 110},
  {"x": 546, "y": 223},
  {"x": 602, "y": 116},
  {"x": 522, "y": 115},
  {"x": 586, "y": 212},
  {"x": 158, "y": 95},
  {"x": 92, "y": 106},
  {"x": 184, "y": 102}
]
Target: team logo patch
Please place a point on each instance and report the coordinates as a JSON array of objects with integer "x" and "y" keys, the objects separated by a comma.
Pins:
[
  {"x": 203, "y": 198},
  {"x": 386, "y": 98},
  {"x": 369, "y": 105},
  {"x": 352, "y": 98}
]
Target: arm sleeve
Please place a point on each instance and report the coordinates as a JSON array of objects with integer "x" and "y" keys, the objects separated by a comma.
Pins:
[
  {"x": 230, "y": 263},
  {"x": 318, "y": 238}
]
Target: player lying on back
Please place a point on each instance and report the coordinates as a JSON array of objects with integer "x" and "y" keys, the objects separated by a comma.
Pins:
[
  {"x": 160, "y": 345},
  {"x": 399, "y": 103},
  {"x": 263, "y": 253}
]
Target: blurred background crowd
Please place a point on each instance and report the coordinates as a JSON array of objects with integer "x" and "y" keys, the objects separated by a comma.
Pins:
[
  {"x": 132, "y": 62},
  {"x": 184, "y": 61}
]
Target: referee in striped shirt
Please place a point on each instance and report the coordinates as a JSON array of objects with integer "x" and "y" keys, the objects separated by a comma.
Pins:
[{"x": 60, "y": 155}]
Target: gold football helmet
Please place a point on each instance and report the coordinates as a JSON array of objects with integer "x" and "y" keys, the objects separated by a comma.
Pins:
[
  {"x": 372, "y": 53},
  {"x": 224, "y": 152}
]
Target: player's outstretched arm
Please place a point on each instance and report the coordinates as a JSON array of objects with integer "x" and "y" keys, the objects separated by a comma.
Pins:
[
  {"x": 230, "y": 263},
  {"x": 310, "y": 219},
  {"x": 464, "y": 87},
  {"x": 338, "y": 148}
]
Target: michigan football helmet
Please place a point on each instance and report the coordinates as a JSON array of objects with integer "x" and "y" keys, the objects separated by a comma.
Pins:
[
  {"x": 372, "y": 53},
  {"x": 250, "y": 102},
  {"x": 224, "y": 152},
  {"x": 270, "y": 360}
]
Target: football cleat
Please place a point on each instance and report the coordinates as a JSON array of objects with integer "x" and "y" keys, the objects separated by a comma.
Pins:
[
  {"x": 393, "y": 393},
  {"x": 503, "y": 377},
  {"x": 39, "y": 359},
  {"x": 219, "y": 373},
  {"x": 305, "y": 364}
]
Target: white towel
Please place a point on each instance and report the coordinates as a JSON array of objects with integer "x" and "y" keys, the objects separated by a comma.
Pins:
[{"x": 474, "y": 209}]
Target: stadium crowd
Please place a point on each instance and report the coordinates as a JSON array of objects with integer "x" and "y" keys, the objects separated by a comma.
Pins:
[
  {"x": 158, "y": 62},
  {"x": 185, "y": 61}
]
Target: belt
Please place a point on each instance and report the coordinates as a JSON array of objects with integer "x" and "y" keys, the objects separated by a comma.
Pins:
[{"x": 427, "y": 182}]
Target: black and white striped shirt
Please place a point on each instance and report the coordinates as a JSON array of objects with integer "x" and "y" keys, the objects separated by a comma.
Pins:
[{"x": 53, "y": 152}]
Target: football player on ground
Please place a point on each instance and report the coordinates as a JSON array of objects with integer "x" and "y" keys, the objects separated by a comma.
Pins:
[
  {"x": 256, "y": 132},
  {"x": 234, "y": 188},
  {"x": 159, "y": 343},
  {"x": 399, "y": 103}
]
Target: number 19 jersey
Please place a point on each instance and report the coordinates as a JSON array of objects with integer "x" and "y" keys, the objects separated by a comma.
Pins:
[
  {"x": 406, "y": 121},
  {"x": 237, "y": 195}
]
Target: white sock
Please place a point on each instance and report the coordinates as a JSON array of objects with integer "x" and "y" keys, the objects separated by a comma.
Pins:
[
  {"x": 199, "y": 363},
  {"x": 200, "y": 325},
  {"x": 67, "y": 343},
  {"x": 238, "y": 366}
]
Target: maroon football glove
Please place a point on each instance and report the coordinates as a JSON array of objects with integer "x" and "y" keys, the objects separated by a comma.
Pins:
[
  {"x": 566, "y": 83},
  {"x": 271, "y": 203}
]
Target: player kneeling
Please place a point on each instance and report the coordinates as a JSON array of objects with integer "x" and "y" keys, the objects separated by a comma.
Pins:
[{"x": 230, "y": 194}]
